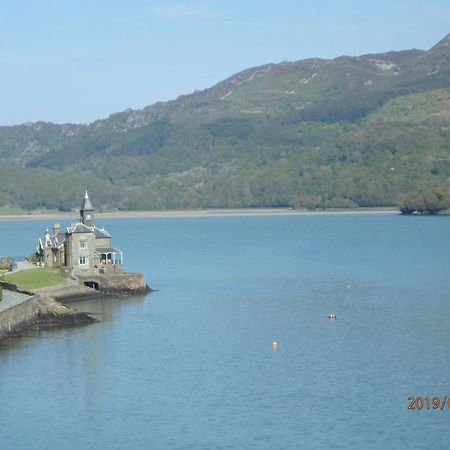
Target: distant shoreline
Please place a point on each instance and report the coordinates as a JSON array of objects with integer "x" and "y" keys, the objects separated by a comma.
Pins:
[{"x": 199, "y": 213}]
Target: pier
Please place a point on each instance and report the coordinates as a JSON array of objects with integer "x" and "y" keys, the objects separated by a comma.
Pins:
[{"x": 19, "y": 311}]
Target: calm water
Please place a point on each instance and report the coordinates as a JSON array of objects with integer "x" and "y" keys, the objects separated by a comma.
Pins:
[{"x": 191, "y": 366}]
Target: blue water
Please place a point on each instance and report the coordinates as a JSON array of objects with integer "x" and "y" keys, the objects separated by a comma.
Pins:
[{"x": 191, "y": 366}]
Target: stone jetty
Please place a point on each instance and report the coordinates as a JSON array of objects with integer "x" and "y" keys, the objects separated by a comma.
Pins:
[{"x": 20, "y": 311}]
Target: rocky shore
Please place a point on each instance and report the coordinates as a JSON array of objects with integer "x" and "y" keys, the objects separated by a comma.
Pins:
[
  {"x": 37, "y": 310},
  {"x": 22, "y": 309},
  {"x": 48, "y": 305}
]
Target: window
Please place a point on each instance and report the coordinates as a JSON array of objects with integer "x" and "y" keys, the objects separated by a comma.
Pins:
[
  {"x": 83, "y": 260},
  {"x": 83, "y": 244}
]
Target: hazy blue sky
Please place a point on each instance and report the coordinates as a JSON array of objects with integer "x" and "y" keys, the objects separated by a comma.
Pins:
[{"x": 81, "y": 60}]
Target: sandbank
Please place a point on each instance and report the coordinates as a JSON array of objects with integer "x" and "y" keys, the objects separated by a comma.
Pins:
[{"x": 72, "y": 216}]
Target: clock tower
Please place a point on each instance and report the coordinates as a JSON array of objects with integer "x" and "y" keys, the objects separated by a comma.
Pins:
[{"x": 87, "y": 212}]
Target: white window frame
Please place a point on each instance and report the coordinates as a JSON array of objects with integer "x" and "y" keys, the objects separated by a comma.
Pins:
[{"x": 84, "y": 260}]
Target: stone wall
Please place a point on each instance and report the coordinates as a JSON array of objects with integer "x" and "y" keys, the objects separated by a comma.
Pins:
[
  {"x": 102, "y": 242},
  {"x": 37, "y": 310},
  {"x": 75, "y": 251},
  {"x": 118, "y": 283},
  {"x": 111, "y": 269},
  {"x": 125, "y": 283},
  {"x": 69, "y": 292},
  {"x": 13, "y": 287}
]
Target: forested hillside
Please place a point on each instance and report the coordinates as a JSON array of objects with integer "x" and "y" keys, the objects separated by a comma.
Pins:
[{"x": 372, "y": 130}]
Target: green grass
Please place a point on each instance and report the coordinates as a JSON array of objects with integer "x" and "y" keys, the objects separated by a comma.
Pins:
[{"x": 35, "y": 278}]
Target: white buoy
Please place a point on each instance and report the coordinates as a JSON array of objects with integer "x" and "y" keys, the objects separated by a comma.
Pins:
[{"x": 274, "y": 345}]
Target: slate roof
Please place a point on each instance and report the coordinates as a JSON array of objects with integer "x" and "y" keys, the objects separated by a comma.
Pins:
[
  {"x": 101, "y": 233},
  {"x": 50, "y": 241},
  {"x": 79, "y": 228},
  {"x": 87, "y": 205},
  {"x": 107, "y": 250}
]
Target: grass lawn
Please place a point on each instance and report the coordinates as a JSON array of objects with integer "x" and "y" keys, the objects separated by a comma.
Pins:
[{"x": 35, "y": 278}]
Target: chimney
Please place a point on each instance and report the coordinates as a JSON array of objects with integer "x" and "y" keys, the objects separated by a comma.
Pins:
[{"x": 56, "y": 228}]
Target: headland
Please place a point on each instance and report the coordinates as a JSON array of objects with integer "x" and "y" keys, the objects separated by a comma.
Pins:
[{"x": 78, "y": 263}]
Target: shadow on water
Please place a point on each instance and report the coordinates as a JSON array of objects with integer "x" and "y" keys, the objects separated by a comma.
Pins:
[
  {"x": 38, "y": 331},
  {"x": 105, "y": 308}
]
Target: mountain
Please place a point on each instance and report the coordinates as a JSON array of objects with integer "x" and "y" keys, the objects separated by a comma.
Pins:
[{"x": 371, "y": 130}]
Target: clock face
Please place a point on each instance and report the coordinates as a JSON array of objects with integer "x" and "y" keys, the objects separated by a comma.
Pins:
[{"x": 88, "y": 217}]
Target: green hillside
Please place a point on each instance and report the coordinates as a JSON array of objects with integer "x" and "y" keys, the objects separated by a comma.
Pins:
[{"x": 353, "y": 131}]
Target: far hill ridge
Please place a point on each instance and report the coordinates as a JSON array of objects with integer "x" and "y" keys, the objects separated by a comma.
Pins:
[{"x": 371, "y": 130}]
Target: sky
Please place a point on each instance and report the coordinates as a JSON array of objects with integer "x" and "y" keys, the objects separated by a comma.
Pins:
[{"x": 81, "y": 60}]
